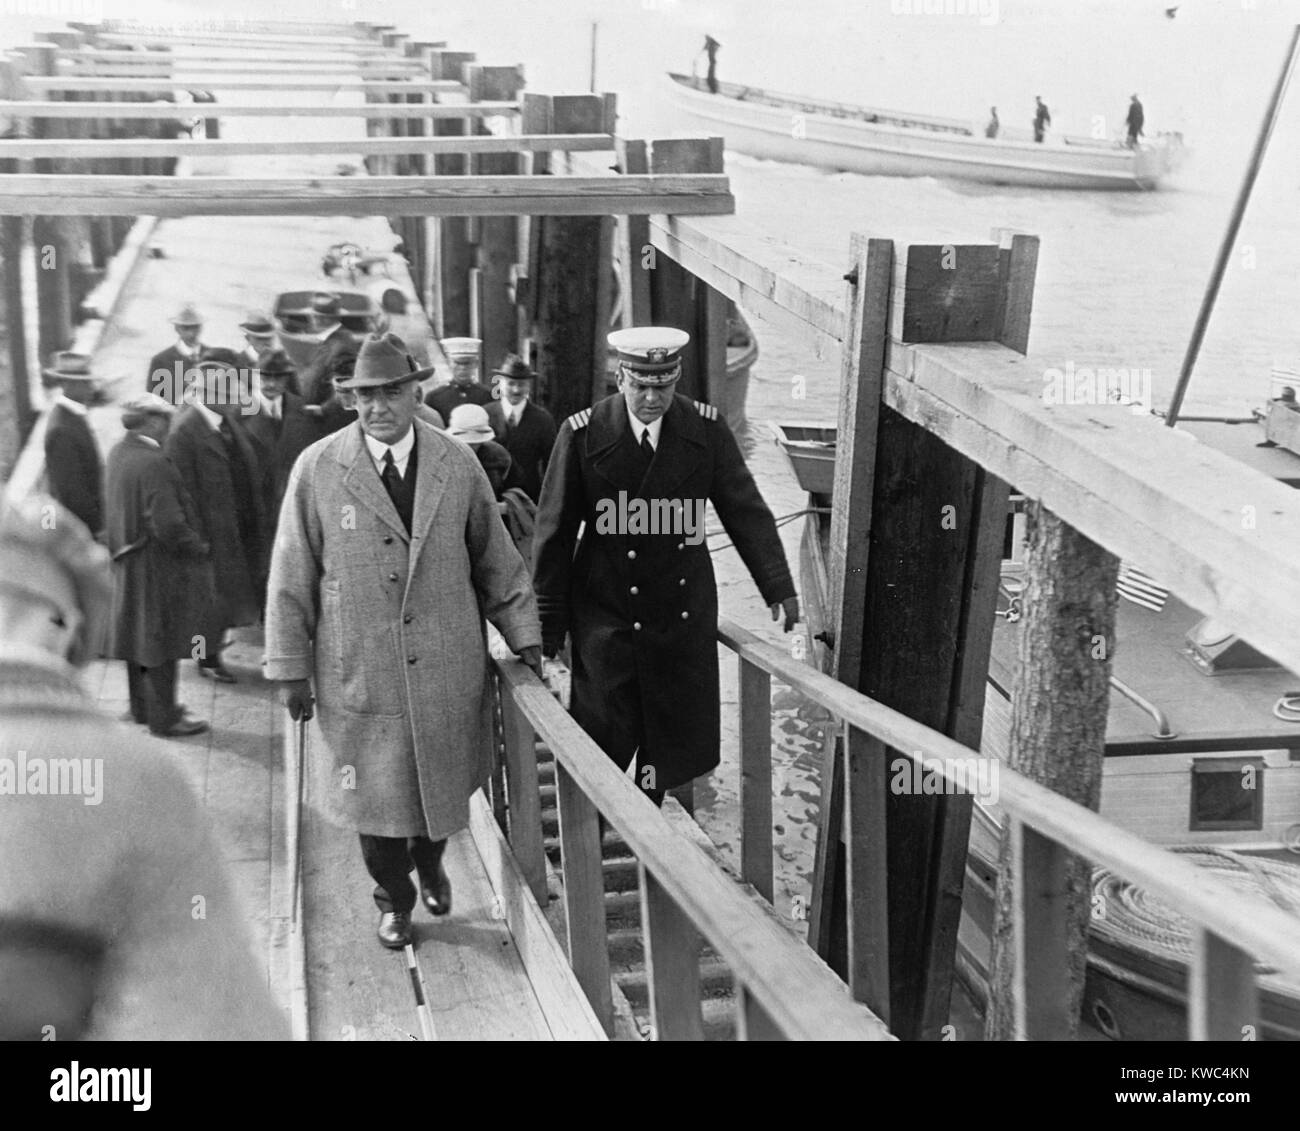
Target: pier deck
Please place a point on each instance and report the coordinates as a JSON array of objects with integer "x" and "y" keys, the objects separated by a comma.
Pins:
[{"x": 474, "y": 979}]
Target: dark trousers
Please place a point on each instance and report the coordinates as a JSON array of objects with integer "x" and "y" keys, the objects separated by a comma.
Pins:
[
  {"x": 390, "y": 859},
  {"x": 153, "y": 694}
]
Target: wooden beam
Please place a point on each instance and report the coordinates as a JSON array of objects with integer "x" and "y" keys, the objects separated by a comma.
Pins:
[
  {"x": 756, "y": 778},
  {"x": 348, "y": 196},
  {"x": 82, "y": 149},
  {"x": 175, "y": 86},
  {"x": 119, "y": 110},
  {"x": 1163, "y": 501},
  {"x": 866, "y": 894},
  {"x": 672, "y": 960},
  {"x": 525, "y": 798},
  {"x": 1043, "y": 1004},
  {"x": 1222, "y": 995},
  {"x": 584, "y": 893},
  {"x": 455, "y": 254},
  {"x": 568, "y": 1013},
  {"x": 635, "y": 253}
]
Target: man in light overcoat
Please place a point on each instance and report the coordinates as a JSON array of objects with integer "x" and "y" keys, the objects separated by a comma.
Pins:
[{"x": 390, "y": 553}]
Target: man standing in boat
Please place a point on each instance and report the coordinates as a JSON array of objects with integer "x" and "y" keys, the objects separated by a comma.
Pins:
[
  {"x": 637, "y": 595},
  {"x": 1042, "y": 118},
  {"x": 1135, "y": 121},
  {"x": 711, "y": 46}
]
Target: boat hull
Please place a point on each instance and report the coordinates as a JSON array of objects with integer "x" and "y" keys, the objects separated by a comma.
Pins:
[{"x": 764, "y": 129}]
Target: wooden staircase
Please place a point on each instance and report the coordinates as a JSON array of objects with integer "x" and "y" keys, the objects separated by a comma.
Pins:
[{"x": 623, "y": 925}]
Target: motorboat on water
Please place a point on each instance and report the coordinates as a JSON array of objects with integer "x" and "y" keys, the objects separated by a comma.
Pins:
[{"x": 861, "y": 139}]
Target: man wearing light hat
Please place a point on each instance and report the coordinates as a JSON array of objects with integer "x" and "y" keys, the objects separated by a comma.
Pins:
[
  {"x": 637, "y": 594},
  {"x": 526, "y": 431},
  {"x": 72, "y": 465},
  {"x": 462, "y": 353},
  {"x": 390, "y": 552},
  {"x": 162, "y": 581},
  {"x": 167, "y": 369}
]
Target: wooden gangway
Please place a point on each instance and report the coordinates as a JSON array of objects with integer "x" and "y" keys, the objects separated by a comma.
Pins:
[{"x": 943, "y": 352}]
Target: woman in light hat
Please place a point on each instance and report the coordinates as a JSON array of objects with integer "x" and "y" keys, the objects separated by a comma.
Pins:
[{"x": 469, "y": 424}]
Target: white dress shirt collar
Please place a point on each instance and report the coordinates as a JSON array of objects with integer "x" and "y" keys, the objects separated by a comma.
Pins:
[
  {"x": 74, "y": 407},
  {"x": 146, "y": 440},
  {"x": 401, "y": 451},
  {"x": 190, "y": 352},
  {"x": 639, "y": 427},
  {"x": 275, "y": 406}
]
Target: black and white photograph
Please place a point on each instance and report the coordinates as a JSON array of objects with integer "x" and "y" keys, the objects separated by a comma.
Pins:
[{"x": 650, "y": 521}]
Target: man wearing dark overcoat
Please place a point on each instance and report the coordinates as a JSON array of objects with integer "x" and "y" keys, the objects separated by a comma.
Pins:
[
  {"x": 219, "y": 467},
  {"x": 389, "y": 554},
  {"x": 161, "y": 574},
  {"x": 637, "y": 594},
  {"x": 168, "y": 368},
  {"x": 335, "y": 341},
  {"x": 526, "y": 431},
  {"x": 281, "y": 427},
  {"x": 73, "y": 468}
]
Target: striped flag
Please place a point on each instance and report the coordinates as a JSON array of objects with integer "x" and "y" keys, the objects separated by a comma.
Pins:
[{"x": 1141, "y": 588}]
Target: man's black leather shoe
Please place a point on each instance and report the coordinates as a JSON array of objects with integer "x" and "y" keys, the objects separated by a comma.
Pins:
[
  {"x": 437, "y": 897},
  {"x": 395, "y": 929},
  {"x": 183, "y": 727}
]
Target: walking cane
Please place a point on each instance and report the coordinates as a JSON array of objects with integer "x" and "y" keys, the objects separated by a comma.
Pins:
[{"x": 300, "y": 763}]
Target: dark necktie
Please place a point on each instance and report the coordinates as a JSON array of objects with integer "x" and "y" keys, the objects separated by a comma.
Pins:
[
  {"x": 399, "y": 490},
  {"x": 392, "y": 477},
  {"x": 510, "y": 424},
  {"x": 647, "y": 448}
]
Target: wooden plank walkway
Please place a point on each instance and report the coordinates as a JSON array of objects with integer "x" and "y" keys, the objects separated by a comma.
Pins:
[{"x": 473, "y": 975}]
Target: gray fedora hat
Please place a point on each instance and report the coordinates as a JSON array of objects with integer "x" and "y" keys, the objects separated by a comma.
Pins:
[{"x": 382, "y": 360}]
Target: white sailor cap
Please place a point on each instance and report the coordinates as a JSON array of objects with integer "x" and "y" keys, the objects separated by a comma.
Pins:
[
  {"x": 461, "y": 347},
  {"x": 650, "y": 355}
]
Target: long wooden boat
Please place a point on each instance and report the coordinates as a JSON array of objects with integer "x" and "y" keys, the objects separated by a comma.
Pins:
[
  {"x": 860, "y": 139},
  {"x": 1192, "y": 707}
]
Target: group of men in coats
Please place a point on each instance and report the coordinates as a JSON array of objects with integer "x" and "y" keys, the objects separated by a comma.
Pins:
[
  {"x": 390, "y": 553},
  {"x": 364, "y": 618}
]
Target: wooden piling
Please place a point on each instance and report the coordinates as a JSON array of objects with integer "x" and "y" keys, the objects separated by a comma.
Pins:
[
  {"x": 497, "y": 249},
  {"x": 455, "y": 255},
  {"x": 928, "y": 504},
  {"x": 570, "y": 277}
]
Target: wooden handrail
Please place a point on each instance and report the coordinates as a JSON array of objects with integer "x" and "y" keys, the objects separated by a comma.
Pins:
[
  {"x": 1268, "y": 933},
  {"x": 93, "y": 149},
  {"x": 785, "y": 986}
]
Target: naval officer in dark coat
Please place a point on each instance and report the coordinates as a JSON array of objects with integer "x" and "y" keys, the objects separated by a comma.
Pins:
[{"x": 637, "y": 593}]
